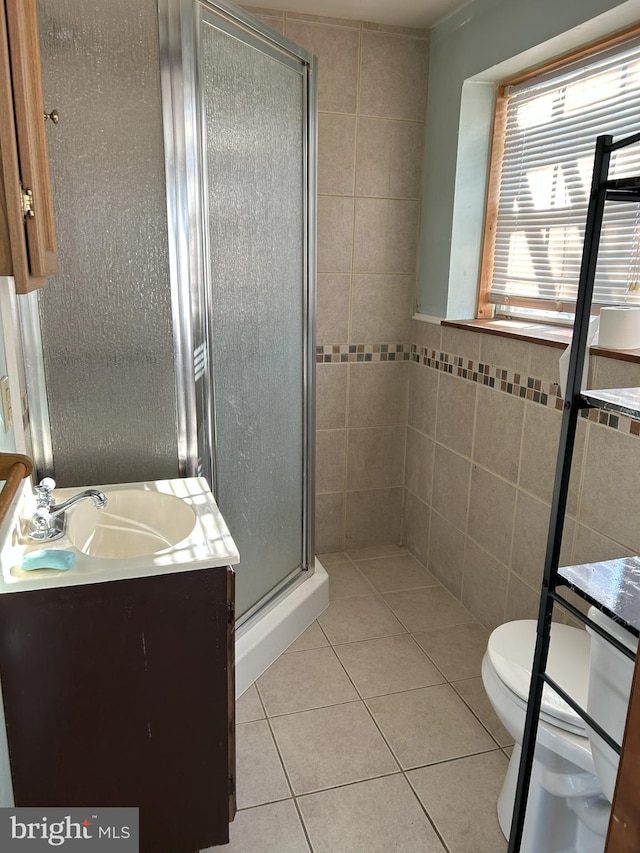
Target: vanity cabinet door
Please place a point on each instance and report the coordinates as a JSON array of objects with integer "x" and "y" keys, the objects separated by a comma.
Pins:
[
  {"x": 119, "y": 694},
  {"x": 27, "y": 234}
]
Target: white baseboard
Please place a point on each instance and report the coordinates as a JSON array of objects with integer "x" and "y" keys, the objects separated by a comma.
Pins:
[{"x": 267, "y": 635}]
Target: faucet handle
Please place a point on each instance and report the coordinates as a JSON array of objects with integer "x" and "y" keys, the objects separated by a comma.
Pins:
[{"x": 43, "y": 491}]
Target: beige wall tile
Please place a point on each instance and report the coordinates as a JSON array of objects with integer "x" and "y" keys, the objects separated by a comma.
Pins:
[
  {"x": 613, "y": 373},
  {"x": 415, "y": 528},
  {"x": 539, "y": 454},
  {"x": 275, "y": 21},
  {"x": 484, "y": 586},
  {"x": 544, "y": 363},
  {"x": 331, "y": 395},
  {"x": 373, "y": 517},
  {"x": 423, "y": 398},
  {"x": 539, "y": 450},
  {"x": 446, "y": 553},
  {"x": 336, "y": 153},
  {"x": 394, "y": 72},
  {"x": 333, "y": 308},
  {"x": 610, "y": 488},
  {"x": 522, "y": 600},
  {"x": 329, "y": 522},
  {"x": 389, "y": 159},
  {"x": 426, "y": 334},
  {"x": 323, "y": 19},
  {"x": 385, "y": 235},
  {"x": 335, "y": 233},
  {"x": 591, "y": 547},
  {"x": 418, "y": 472},
  {"x": 498, "y": 432},
  {"x": 381, "y": 308},
  {"x": 451, "y": 475},
  {"x": 530, "y": 539},
  {"x": 375, "y": 457},
  {"x": 456, "y": 413},
  {"x": 330, "y": 460},
  {"x": 461, "y": 342},
  {"x": 378, "y": 394},
  {"x": 491, "y": 513},
  {"x": 507, "y": 353},
  {"x": 337, "y": 49}
]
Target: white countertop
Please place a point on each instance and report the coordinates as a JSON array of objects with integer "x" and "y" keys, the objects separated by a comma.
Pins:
[{"x": 208, "y": 545}]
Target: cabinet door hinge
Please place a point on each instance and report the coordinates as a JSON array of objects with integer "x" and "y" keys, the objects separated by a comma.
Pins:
[
  {"x": 26, "y": 202},
  {"x": 231, "y": 611}
]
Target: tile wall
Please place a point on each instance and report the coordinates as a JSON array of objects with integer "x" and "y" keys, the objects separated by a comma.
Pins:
[
  {"x": 437, "y": 437},
  {"x": 372, "y": 85},
  {"x": 483, "y": 428}
]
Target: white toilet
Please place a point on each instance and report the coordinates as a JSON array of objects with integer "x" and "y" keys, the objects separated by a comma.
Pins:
[{"x": 566, "y": 810}]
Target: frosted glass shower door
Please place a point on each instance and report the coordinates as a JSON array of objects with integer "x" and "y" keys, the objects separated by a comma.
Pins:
[{"x": 254, "y": 131}]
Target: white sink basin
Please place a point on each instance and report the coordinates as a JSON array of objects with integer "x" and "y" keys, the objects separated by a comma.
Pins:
[
  {"x": 133, "y": 524},
  {"x": 152, "y": 528}
]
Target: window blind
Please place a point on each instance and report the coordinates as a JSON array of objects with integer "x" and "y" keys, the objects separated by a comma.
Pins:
[{"x": 551, "y": 127}]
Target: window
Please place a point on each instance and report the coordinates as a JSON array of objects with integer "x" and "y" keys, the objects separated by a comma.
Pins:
[{"x": 544, "y": 141}]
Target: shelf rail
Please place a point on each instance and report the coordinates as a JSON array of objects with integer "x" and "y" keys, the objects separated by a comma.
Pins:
[{"x": 602, "y": 190}]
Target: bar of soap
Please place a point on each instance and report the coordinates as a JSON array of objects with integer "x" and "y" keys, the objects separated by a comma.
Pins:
[{"x": 50, "y": 558}]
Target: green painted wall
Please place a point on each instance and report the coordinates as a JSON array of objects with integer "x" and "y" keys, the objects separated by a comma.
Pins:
[{"x": 515, "y": 34}]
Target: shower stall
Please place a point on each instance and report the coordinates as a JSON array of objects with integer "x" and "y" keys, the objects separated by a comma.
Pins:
[{"x": 178, "y": 337}]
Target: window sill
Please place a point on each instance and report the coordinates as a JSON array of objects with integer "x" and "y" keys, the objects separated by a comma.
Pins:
[{"x": 549, "y": 336}]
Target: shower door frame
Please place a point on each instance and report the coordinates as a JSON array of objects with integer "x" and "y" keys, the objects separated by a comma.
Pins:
[{"x": 184, "y": 138}]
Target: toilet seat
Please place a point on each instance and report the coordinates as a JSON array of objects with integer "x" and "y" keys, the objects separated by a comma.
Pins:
[{"x": 510, "y": 650}]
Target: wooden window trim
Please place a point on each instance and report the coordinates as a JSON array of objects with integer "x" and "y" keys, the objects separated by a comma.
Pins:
[{"x": 485, "y": 309}]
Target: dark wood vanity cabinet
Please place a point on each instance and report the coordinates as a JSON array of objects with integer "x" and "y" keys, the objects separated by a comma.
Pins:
[{"x": 121, "y": 694}]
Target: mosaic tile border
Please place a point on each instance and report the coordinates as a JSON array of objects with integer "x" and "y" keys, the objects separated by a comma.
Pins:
[
  {"x": 530, "y": 388},
  {"x": 341, "y": 353}
]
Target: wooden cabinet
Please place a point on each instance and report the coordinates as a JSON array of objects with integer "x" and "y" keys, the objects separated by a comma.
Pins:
[
  {"x": 624, "y": 826},
  {"x": 121, "y": 694},
  {"x": 27, "y": 235}
]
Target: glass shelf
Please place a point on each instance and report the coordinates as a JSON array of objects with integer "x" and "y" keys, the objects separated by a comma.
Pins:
[
  {"x": 623, "y": 400},
  {"x": 612, "y": 586}
]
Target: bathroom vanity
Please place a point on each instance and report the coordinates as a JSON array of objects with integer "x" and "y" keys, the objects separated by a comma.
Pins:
[{"x": 118, "y": 691}]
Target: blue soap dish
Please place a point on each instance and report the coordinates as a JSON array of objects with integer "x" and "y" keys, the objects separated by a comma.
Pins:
[{"x": 50, "y": 558}]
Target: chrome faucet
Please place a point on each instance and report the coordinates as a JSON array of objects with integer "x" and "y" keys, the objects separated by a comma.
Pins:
[{"x": 48, "y": 520}]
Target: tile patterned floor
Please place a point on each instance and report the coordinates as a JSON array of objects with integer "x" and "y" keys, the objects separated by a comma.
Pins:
[{"x": 372, "y": 733}]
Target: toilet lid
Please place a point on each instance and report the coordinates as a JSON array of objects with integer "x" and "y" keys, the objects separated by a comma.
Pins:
[{"x": 511, "y": 647}]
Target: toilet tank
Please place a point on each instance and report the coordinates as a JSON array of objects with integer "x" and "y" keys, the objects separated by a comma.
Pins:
[{"x": 610, "y": 677}]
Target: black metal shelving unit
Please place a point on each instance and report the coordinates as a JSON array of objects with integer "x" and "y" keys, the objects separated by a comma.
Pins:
[{"x": 623, "y": 400}]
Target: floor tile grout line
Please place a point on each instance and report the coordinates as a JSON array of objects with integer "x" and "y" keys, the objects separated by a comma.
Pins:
[
  {"x": 429, "y": 818},
  {"x": 485, "y": 727},
  {"x": 397, "y": 760}
]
